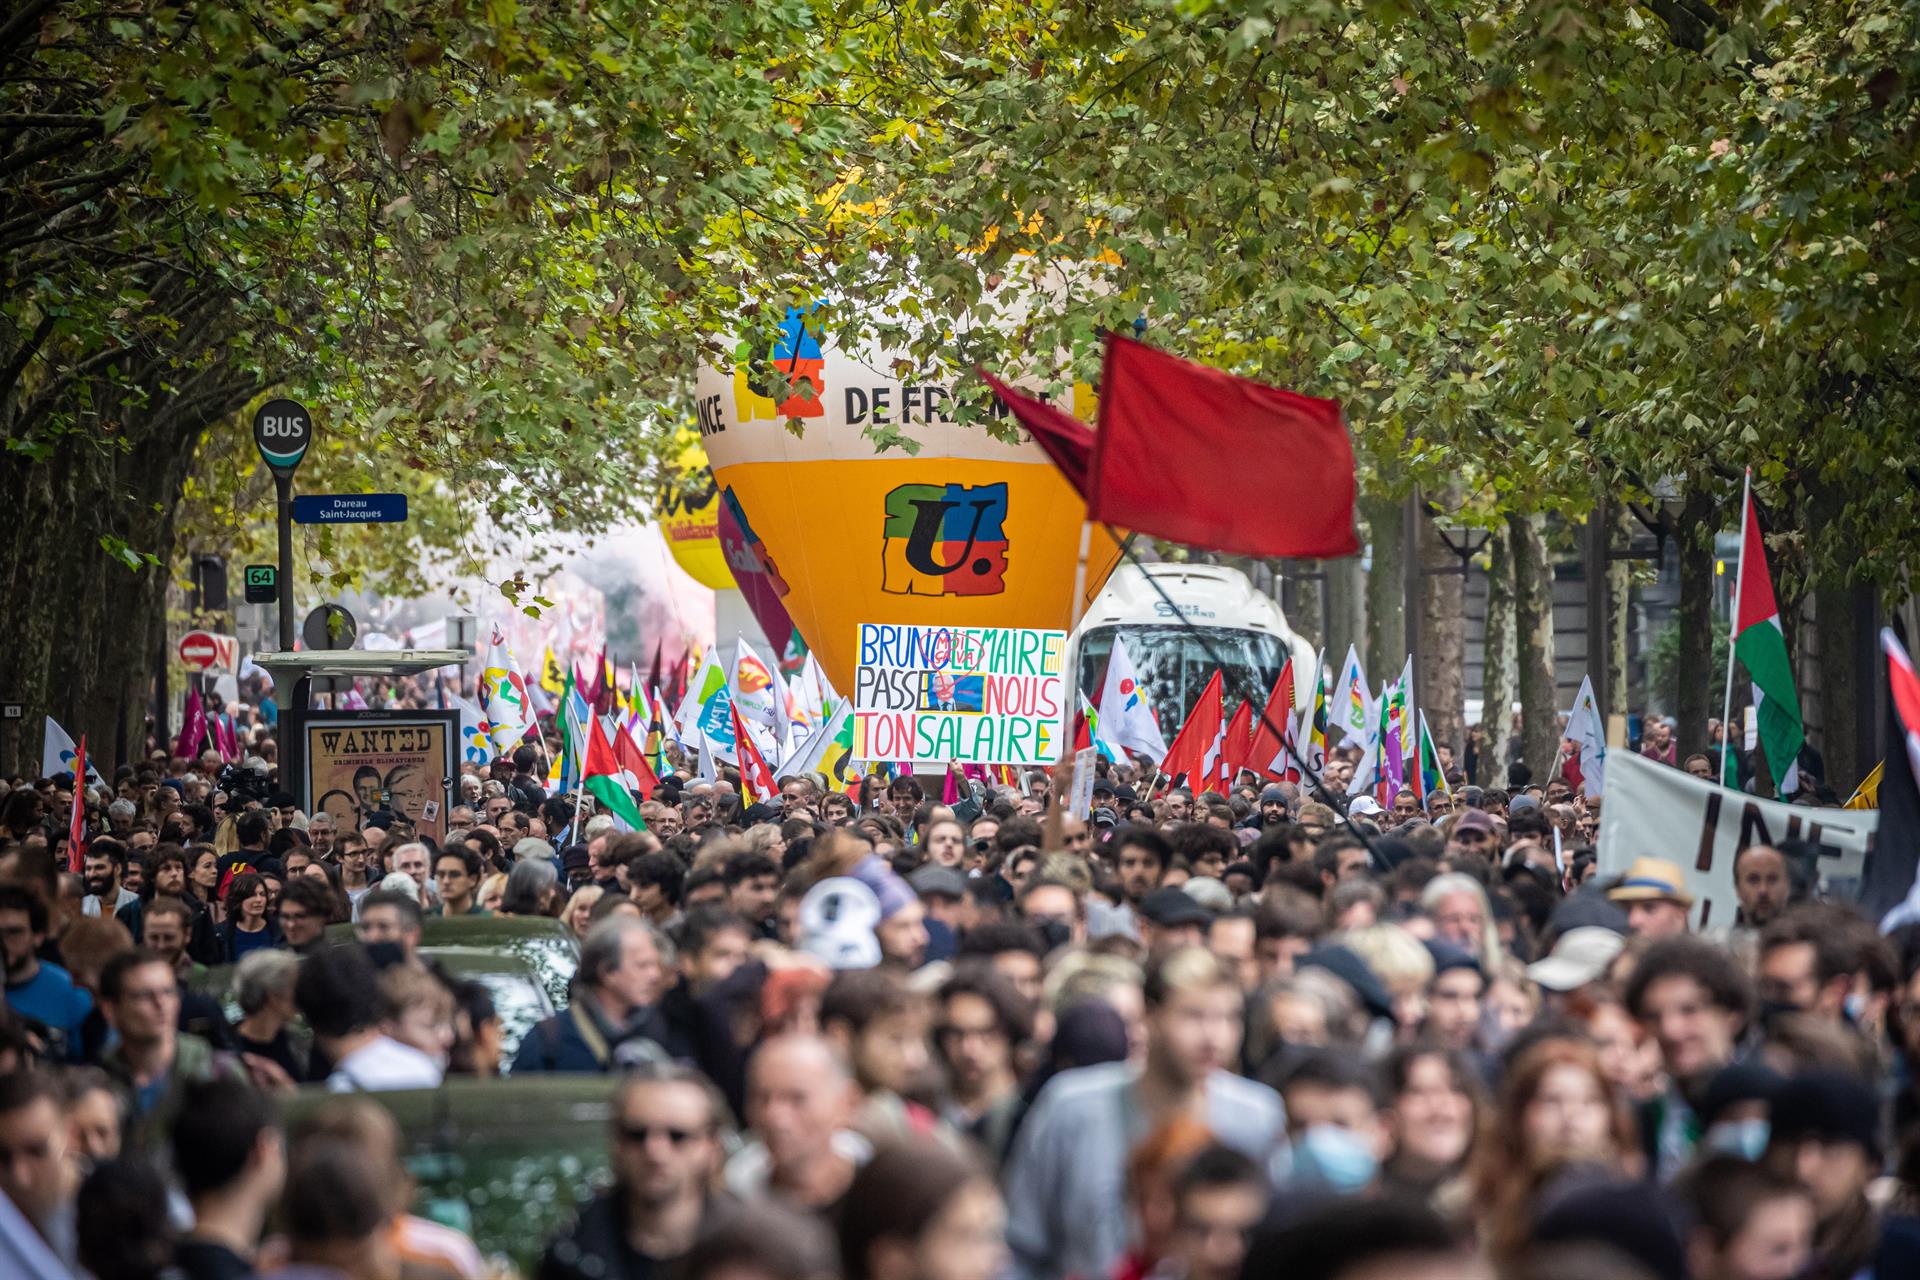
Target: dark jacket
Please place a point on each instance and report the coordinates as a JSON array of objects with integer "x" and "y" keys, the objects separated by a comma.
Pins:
[
  {"x": 203, "y": 941},
  {"x": 231, "y": 926},
  {"x": 579, "y": 1039},
  {"x": 596, "y": 1248}
]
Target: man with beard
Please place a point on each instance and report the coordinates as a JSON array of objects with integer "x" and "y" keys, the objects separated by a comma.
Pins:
[
  {"x": 38, "y": 990},
  {"x": 105, "y": 866}
]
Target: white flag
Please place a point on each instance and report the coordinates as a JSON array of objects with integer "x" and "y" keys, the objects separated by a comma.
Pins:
[
  {"x": 706, "y": 679},
  {"x": 58, "y": 751},
  {"x": 503, "y": 694},
  {"x": 1126, "y": 717},
  {"x": 1353, "y": 711},
  {"x": 757, "y": 688},
  {"x": 476, "y": 743},
  {"x": 1586, "y": 730}
]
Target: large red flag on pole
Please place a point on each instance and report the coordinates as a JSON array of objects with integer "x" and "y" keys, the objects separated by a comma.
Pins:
[
  {"x": 1203, "y": 457},
  {"x": 1199, "y": 456}
]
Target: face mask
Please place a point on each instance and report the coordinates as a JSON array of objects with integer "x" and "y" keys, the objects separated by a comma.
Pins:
[
  {"x": 1856, "y": 1008},
  {"x": 1744, "y": 1138},
  {"x": 1333, "y": 1158}
]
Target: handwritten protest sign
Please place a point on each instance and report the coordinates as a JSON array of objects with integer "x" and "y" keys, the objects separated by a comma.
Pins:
[
  {"x": 979, "y": 695},
  {"x": 1660, "y": 812}
]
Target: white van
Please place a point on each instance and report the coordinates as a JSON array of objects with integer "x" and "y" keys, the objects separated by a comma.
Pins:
[{"x": 1245, "y": 628}]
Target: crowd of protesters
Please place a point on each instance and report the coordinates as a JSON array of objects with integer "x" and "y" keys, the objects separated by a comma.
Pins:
[{"x": 880, "y": 1037}]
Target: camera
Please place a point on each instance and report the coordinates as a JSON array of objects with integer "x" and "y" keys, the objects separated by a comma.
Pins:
[{"x": 244, "y": 785}]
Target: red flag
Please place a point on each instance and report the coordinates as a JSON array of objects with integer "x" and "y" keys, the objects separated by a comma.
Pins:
[
  {"x": 1269, "y": 732},
  {"x": 756, "y": 780},
  {"x": 1233, "y": 750},
  {"x": 1199, "y": 456},
  {"x": 1061, "y": 436},
  {"x": 1189, "y": 749},
  {"x": 77, "y": 814}
]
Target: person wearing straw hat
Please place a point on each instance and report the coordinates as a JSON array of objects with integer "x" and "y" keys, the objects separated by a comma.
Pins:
[{"x": 1655, "y": 898}]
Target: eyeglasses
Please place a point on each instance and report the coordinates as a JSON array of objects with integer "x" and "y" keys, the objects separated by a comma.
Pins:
[
  {"x": 640, "y": 1134},
  {"x": 294, "y": 917}
]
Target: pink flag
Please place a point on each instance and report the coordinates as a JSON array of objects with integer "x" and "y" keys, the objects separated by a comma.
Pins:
[
  {"x": 225, "y": 740},
  {"x": 193, "y": 727},
  {"x": 950, "y": 791}
]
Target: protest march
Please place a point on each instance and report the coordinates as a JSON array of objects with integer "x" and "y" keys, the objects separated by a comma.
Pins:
[{"x": 1218, "y": 641}]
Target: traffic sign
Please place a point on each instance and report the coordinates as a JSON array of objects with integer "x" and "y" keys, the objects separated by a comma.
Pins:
[
  {"x": 263, "y": 582},
  {"x": 198, "y": 650},
  {"x": 329, "y": 627},
  {"x": 282, "y": 430},
  {"x": 350, "y": 508}
]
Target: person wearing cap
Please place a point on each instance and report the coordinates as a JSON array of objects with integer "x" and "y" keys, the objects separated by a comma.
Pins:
[
  {"x": 1579, "y": 957},
  {"x": 1365, "y": 807},
  {"x": 1273, "y": 805},
  {"x": 1170, "y": 918},
  {"x": 1654, "y": 895},
  {"x": 1471, "y": 832},
  {"x": 1825, "y": 1134}
]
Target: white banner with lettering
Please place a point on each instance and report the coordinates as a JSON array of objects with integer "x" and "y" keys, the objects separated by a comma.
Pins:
[{"x": 1656, "y": 811}]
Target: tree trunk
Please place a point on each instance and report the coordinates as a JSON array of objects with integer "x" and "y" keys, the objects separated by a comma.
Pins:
[
  {"x": 1533, "y": 636},
  {"x": 1308, "y": 617},
  {"x": 1697, "y": 698},
  {"x": 1386, "y": 646},
  {"x": 1502, "y": 673},
  {"x": 1441, "y": 681},
  {"x": 1346, "y": 608},
  {"x": 1619, "y": 592},
  {"x": 80, "y": 645}
]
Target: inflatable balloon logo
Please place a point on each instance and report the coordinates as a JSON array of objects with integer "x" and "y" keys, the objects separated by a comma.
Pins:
[
  {"x": 690, "y": 519},
  {"x": 968, "y": 531}
]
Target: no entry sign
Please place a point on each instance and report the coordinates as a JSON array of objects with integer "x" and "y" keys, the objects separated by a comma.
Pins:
[{"x": 198, "y": 650}]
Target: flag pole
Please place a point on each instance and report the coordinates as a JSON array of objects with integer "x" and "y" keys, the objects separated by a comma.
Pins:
[
  {"x": 1733, "y": 618},
  {"x": 1338, "y": 803}
]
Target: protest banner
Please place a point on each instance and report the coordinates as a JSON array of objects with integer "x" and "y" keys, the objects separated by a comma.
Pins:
[
  {"x": 400, "y": 763},
  {"x": 1654, "y": 811},
  {"x": 977, "y": 695}
]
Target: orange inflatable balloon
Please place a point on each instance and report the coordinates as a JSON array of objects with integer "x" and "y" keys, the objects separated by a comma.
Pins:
[{"x": 967, "y": 531}]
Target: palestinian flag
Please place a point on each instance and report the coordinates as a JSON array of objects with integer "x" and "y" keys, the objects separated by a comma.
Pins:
[
  {"x": 607, "y": 781},
  {"x": 1761, "y": 646}
]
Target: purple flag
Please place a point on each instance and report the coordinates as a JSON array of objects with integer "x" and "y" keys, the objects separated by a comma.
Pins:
[{"x": 193, "y": 727}]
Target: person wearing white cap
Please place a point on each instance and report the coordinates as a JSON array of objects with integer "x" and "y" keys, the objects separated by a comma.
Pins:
[{"x": 1580, "y": 956}]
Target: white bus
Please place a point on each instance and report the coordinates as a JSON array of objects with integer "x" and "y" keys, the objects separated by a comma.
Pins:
[{"x": 1245, "y": 628}]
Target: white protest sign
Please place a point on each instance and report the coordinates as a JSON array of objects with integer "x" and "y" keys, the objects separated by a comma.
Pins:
[
  {"x": 979, "y": 695},
  {"x": 1654, "y": 811},
  {"x": 1080, "y": 799}
]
